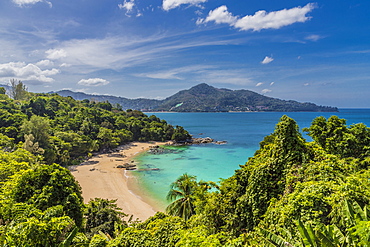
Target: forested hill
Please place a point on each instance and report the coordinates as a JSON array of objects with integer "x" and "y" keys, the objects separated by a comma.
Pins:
[{"x": 205, "y": 98}]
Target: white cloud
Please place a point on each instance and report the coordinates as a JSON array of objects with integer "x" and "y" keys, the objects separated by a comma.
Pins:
[
  {"x": 272, "y": 83},
  {"x": 22, "y": 3},
  {"x": 360, "y": 52},
  {"x": 129, "y": 6},
  {"x": 259, "y": 84},
  {"x": 25, "y": 2},
  {"x": 171, "y": 4},
  {"x": 45, "y": 63},
  {"x": 87, "y": 55},
  {"x": 55, "y": 54},
  {"x": 204, "y": 74},
  {"x": 198, "y": 12},
  {"x": 50, "y": 72},
  {"x": 93, "y": 82},
  {"x": 306, "y": 84},
  {"x": 229, "y": 76},
  {"x": 162, "y": 75},
  {"x": 267, "y": 60},
  {"x": 261, "y": 19},
  {"x": 65, "y": 65},
  {"x": 175, "y": 74},
  {"x": 266, "y": 91},
  {"x": 313, "y": 37},
  {"x": 219, "y": 15},
  {"x": 28, "y": 72}
]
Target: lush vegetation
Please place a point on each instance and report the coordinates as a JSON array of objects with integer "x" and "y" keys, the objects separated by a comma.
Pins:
[
  {"x": 62, "y": 130},
  {"x": 205, "y": 98},
  {"x": 290, "y": 193}
]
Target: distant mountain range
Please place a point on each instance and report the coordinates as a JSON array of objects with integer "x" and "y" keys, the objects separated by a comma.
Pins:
[
  {"x": 205, "y": 98},
  {"x": 134, "y": 104}
]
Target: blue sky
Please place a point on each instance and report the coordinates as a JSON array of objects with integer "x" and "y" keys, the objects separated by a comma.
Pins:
[{"x": 315, "y": 51}]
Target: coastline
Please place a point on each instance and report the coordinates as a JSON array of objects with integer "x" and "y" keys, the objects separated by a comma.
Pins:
[{"x": 99, "y": 177}]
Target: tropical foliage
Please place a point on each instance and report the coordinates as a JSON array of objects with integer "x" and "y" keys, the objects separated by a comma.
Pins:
[
  {"x": 64, "y": 131},
  {"x": 290, "y": 193},
  {"x": 182, "y": 190}
]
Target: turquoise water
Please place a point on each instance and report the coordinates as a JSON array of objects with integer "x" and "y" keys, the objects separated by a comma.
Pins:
[{"x": 211, "y": 162}]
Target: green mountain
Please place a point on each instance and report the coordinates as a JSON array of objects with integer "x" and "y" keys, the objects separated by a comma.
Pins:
[{"x": 205, "y": 98}]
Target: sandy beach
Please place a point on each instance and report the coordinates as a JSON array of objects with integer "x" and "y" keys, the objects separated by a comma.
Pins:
[{"x": 100, "y": 177}]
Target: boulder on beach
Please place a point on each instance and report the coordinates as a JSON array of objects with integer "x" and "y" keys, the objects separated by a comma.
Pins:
[{"x": 127, "y": 166}]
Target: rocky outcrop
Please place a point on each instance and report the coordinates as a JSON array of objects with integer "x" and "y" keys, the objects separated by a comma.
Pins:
[{"x": 200, "y": 140}]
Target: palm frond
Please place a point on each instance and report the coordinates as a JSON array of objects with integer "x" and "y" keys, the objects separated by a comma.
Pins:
[
  {"x": 308, "y": 238},
  {"x": 174, "y": 194},
  {"x": 182, "y": 190},
  {"x": 273, "y": 239}
]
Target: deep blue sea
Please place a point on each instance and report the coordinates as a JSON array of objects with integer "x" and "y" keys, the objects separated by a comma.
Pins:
[{"x": 210, "y": 162}]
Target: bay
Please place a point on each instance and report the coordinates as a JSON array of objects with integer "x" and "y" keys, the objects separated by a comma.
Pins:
[{"x": 211, "y": 162}]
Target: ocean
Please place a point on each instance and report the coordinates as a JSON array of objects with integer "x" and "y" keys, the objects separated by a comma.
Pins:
[{"x": 211, "y": 162}]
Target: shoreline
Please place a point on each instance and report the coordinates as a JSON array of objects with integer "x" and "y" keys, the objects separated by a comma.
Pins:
[
  {"x": 134, "y": 187},
  {"x": 99, "y": 177}
]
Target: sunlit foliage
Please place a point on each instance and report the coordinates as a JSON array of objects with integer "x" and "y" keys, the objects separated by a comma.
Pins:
[{"x": 290, "y": 193}]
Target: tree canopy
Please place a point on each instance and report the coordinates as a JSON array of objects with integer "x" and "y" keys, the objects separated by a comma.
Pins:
[
  {"x": 18, "y": 91},
  {"x": 65, "y": 131},
  {"x": 290, "y": 193},
  {"x": 40, "y": 201}
]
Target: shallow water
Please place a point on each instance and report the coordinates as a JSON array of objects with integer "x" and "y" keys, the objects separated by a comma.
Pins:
[{"x": 211, "y": 162}]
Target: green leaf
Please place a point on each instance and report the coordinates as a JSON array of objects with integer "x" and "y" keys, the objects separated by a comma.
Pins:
[
  {"x": 274, "y": 239},
  {"x": 308, "y": 238},
  {"x": 67, "y": 242}
]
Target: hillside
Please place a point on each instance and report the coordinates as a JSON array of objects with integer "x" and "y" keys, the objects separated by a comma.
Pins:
[
  {"x": 134, "y": 104},
  {"x": 65, "y": 131},
  {"x": 205, "y": 98}
]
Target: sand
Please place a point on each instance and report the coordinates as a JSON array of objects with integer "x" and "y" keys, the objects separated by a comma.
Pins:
[{"x": 99, "y": 177}]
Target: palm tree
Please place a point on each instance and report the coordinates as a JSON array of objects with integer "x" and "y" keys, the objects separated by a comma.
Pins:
[{"x": 182, "y": 191}]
